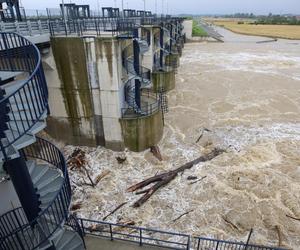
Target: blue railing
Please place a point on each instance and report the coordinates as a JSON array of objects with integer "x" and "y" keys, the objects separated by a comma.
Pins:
[
  {"x": 138, "y": 235},
  {"x": 27, "y": 98},
  {"x": 152, "y": 103},
  {"x": 73, "y": 222},
  {"x": 15, "y": 231},
  {"x": 102, "y": 26}
]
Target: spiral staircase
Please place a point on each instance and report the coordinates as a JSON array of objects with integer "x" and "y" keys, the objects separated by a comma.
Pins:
[
  {"x": 138, "y": 95},
  {"x": 36, "y": 167}
]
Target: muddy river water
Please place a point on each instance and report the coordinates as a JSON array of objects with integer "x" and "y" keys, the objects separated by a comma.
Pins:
[{"x": 242, "y": 96}]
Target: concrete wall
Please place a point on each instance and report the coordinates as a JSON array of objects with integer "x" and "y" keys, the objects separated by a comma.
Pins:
[
  {"x": 86, "y": 87},
  {"x": 86, "y": 81},
  {"x": 163, "y": 80},
  {"x": 144, "y": 132},
  {"x": 173, "y": 60},
  {"x": 71, "y": 107},
  {"x": 188, "y": 28}
]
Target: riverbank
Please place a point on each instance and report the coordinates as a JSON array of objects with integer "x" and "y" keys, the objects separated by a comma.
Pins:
[{"x": 291, "y": 32}]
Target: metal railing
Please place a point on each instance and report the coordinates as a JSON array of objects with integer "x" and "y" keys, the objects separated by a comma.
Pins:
[
  {"x": 151, "y": 106},
  {"x": 73, "y": 222},
  {"x": 26, "y": 28},
  {"x": 214, "y": 244},
  {"x": 138, "y": 235},
  {"x": 150, "y": 102},
  {"x": 26, "y": 99},
  {"x": 15, "y": 231}
]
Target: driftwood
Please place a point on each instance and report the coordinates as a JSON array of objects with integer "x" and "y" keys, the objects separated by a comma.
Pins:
[
  {"x": 115, "y": 210},
  {"x": 163, "y": 179},
  {"x": 192, "y": 178},
  {"x": 186, "y": 213},
  {"x": 101, "y": 176},
  {"x": 230, "y": 223},
  {"x": 121, "y": 159},
  {"x": 279, "y": 233},
  {"x": 291, "y": 217},
  {"x": 193, "y": 182},
  {"x": 77, "y": 159},
  {"x": 89, "y": 177},
  {"x": 76, "y": 206},
  {"x": 202, "y": 133},
  {"x": 156, "y": 152}
]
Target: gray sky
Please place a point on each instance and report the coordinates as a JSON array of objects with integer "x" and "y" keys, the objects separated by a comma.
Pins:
[{"x": 186, "y": 6}]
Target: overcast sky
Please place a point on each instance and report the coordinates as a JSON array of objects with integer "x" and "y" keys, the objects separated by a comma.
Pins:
[{"x": 185, "y": 6}]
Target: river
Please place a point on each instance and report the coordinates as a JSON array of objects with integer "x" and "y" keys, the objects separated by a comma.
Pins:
[{"x": 241, "y": 96}]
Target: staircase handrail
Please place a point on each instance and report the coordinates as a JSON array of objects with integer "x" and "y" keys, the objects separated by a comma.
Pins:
[
  {"x": 47, "y": 152},
  {"x": 19, "y": 54}
]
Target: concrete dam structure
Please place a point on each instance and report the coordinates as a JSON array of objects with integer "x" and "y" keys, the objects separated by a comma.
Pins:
[{"x": 107, "y": 83}]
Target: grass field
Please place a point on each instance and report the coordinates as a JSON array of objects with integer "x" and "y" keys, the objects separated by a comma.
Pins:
[
  {"x": 197, "y": 30},
  {"x": 275, "y": 31}
]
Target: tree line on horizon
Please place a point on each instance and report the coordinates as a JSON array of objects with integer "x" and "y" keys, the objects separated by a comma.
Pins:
[{"x": 267, "y": 19}]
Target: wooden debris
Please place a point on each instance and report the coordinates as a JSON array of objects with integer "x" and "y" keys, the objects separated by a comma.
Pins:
[
  {"x": 156, "y": 152},
  {"x": 101, "y": 176},
  {"x": 191, "y": 178},
  {"x": 76, "y": 206},
  {"x": 279, "y": 233},
  {"x": 186, "y": 213},
  {"x": 121, "y": 159},
  {"x": 202, "y": 133},
  {"x": 291, "y": 217},
  {"x": 89, "y": 177},
  {"x": 199, "y": 138},
  {"x": 77, "y": 159},
  {"x": 230, "y": 223},
  {"x": 115, "y": 210},
  {"x": 198, "y": 180},
  {"x": 163, "y": 179},
  {"x": 96, "y": 228}
]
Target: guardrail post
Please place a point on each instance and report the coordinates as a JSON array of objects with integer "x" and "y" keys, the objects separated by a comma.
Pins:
[
  {"x": 82, "y": 227},
  {"x": 2, "y": 26},
  {"x": 111, "y": 232},
  {"x": 141, "y": 237},
  {"x": 248, "y": 240},
  {"x": 188, "y": 243},
  {"x": 40, "y": 26},
  {"x": 17, "y": 26},
  {"x": 29, "y": 27}
]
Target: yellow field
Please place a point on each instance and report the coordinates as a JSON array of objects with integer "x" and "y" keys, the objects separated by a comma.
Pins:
[{"x": 276, "y": 31}]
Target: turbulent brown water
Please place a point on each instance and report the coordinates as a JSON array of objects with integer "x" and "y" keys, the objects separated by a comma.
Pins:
[{"x": 248, "y": 96}]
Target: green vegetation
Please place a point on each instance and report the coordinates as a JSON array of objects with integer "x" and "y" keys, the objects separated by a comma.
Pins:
[
  {"x": 197, "y": 30},
  {"x": 278, "y": 19},
  {"x": 269, "y": 19}
]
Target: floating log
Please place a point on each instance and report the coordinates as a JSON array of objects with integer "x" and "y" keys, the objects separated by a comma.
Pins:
[
  {"x": 156, "y": 152},
  {"x": 163, "y": 179}
]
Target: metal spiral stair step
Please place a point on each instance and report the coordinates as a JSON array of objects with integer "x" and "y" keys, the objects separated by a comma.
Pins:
[
  {"x": 46, "y": 180},
  {"x": 23, "y": 126},
  {"x": 24, "y": 141},
  {"x": 7, "y": 76},
  {"x": 26, "y": 116}
]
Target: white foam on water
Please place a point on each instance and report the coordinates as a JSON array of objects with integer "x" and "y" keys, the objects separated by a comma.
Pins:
[
  {"x": 269, "y": 62},
  {"x": 243, "y": 136}
]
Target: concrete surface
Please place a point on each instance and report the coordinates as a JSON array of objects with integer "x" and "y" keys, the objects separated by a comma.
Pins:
[{"x": 97, "y": 243}]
